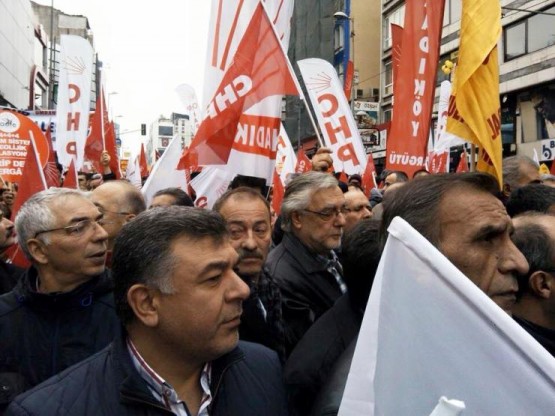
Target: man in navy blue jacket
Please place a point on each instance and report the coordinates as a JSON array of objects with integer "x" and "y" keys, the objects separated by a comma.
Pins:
[{"x": 179, "y": 300}]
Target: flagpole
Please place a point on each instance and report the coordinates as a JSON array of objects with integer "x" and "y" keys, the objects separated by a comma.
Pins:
[{"x": 294, "y": 76}]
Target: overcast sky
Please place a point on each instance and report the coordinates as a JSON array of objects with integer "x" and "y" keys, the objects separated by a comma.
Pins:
[{"x": 148, "y": 49}]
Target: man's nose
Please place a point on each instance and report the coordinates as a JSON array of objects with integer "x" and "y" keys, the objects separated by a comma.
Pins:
[{"x": 512, "y": 260}]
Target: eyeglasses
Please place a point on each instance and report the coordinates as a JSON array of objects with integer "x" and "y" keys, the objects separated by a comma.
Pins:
[
  {"x": 329, "y": 213},
  {"x": 78, "y": 229}
]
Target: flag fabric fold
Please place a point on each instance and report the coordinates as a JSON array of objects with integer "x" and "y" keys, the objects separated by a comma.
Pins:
[
  {"x": 474, "y": 107},
  {"x": 260, "y": 69},
  {"x": 428, "y": 332},
  {"x": 71, "y": 180}
]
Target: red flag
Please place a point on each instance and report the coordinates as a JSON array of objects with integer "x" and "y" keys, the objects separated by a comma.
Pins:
[
  {"x": 110, "y": 142},
  {"x": 463, "y": 163},
  {"x": 414, "y": 87},
  {"x": 303, "y": 162},
  {"x": 438, "y": 162},
  {"x": 70, "y": 180},
  {"x": 552, "y": 170},
  {"x": 34, "y": 182},
  {"x": 95, "y": 141},
  {"x": 343, "y": 177},
  {"x": 349, "y": 74},
  {"x": 369, "y": 176},
  {"x": 277, "y": 195},
  {"x": 51, "y": 172},
  {"x": 260, "y": 69},
  {"x": 396, "y": 48},
  {"x": 142, "y": 162}
]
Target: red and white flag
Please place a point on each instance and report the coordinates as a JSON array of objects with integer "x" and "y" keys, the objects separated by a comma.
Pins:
[
  {"x": 258, "y": 70},
  {"x": 463, "y": 162},
  {"x": 74, "y": 93},
  {"x": 369, "y": 176},
  {"x": 415, "y": 86},
  {"x": 334, "y": 115},
  {"x": 303, "y": 162},
  {"x": 286, "y": 161}
]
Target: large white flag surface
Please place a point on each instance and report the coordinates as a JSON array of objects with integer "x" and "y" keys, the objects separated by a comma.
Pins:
[
  {"x": 428, "y": 332},
  {"x": 334, "y": 115},
  {"x": 74, "y": 94},
  {"x": 164, "y": 173},
  {"x": 210, "y": 184}
]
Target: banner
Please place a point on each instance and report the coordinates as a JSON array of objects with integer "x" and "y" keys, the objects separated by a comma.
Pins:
[
  {"x": 428, "y": 332},
  {"x": 74, "y": 96},
  {"x": 414, "y": 87},
  {"x": 474, "y": 107},
  {"x": 334, "y": 115},
  {"x": 16, "y": 131},
  {"x": 258, "y": 69},
  {"x": 188, "y": 98}
]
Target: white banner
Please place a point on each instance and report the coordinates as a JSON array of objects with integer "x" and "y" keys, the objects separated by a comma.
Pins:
[
  {"x": 254, "y": 150},
  {"x": 74, "y": 96},
  {"x": 444, "y": 140},
  {"x": 210, "y": 184},
  {"x": 334, "y": 115},
  {"x": 188, "y": 97},
  {"x": 428, "y": 332},
  {"x": 164, "y": 173}
]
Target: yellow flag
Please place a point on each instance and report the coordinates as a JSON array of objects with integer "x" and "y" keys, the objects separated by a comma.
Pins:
[{"x": 474, "y": 108}]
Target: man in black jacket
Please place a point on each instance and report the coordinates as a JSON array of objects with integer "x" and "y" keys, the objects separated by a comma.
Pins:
[
  {"x": 62, "y": 310},
  {"x": 179, "y": 300}
]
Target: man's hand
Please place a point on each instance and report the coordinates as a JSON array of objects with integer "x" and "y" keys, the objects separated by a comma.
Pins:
[{"x": 322, "y": 160}]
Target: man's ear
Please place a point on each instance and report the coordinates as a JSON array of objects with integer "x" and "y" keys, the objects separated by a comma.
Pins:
[
  {"x": 296, "y": 220},
  {"x": 541, "y": 283},
  {"x": 144, "y": 301},
  {"x": 129, "y": 217},
  {"x": 38, "y": 250}
]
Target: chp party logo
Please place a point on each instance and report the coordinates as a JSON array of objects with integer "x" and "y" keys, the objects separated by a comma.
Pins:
[{"x": 9, "y": 123}]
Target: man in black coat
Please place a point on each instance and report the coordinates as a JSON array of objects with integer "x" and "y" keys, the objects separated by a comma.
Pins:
[
  {"x": 62, "y": 310},
  {"x": 179, "y": 300}
]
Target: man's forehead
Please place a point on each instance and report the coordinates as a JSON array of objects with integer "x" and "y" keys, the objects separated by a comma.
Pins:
[{"x": 472, "y": 206}]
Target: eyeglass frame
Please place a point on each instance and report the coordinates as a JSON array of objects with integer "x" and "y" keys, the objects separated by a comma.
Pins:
[
  {"x": 325, "y": 216},
  {"x": 69, "y": 228}
]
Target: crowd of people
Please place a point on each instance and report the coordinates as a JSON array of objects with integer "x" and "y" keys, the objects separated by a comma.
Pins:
[{"x": 130, "y": 309}]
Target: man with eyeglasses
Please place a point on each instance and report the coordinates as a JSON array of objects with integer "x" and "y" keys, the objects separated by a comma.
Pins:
[
  {"x": 62, "y": 310},
  {"x": 534, "y": 310},
  {"x": 119, "y": 201},
  {"x": 304, "y": 263}
]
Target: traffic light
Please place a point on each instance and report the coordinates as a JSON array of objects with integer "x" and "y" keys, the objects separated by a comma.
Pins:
[{"x": 143, "y": 129}]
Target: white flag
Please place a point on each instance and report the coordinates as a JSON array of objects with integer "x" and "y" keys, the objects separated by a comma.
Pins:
[
  {"x": 164, "y": 173},
  {"x": 334, "y": 115},
  {"x": 74, "y": 95},
  {"x": 286, "y": 159},
  {"x": 444, "y": 140},
  {"x": 133, "y": 173},
  {"x": 428, "y": 332},
  {"x": 188, "y": 97},
  {"x": 210, "y": 184}
]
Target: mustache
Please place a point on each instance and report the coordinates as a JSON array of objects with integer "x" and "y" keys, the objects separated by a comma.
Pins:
[{"x": 249, "y": 254}]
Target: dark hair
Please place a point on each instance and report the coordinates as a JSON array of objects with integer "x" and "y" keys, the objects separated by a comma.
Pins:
[
  {"x": 532, "y": 197},
  {"x": 536, "y": 246},
  {"x": 182, "y": 199},
  {"x": 417, "y": 202},
  {"x": 360, "y": 256},
  {"x": 242, "y": 190},
  {"x": 401, "y": 176},
  {"x": 249, "y": 182},
  {"x": 149, "y": 261}
]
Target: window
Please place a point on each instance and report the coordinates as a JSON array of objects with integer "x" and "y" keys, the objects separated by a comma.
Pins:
[
  {"x": 529, "y": 35},
  {"x": 388, "y": 79},
  {"x": 396, "y": 17}
]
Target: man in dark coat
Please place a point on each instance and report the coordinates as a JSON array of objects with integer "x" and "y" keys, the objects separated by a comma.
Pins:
[
  {"x": 62, "y": 310},
  {"x": 304, "y": 264},
  {"x": 179, "y": 301}
]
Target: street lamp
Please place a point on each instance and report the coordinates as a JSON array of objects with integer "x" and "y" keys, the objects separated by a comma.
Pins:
[{"x": 342, "y": 16}]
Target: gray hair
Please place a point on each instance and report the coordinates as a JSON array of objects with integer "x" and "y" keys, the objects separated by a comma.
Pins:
[
  {"x": 418, "y": 202},
  {"x": 149, "y": 261},
  {"x": 511, "y": 169},
  {"x": 36, "y": 215},
  {"x": 299, "y": 191}
]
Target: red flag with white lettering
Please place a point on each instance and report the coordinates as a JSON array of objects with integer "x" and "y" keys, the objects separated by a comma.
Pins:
[
  {"x": 303, "y": 162},
  {"x": 260, "y": 69},
  {"x": 415, "y": 86}
]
